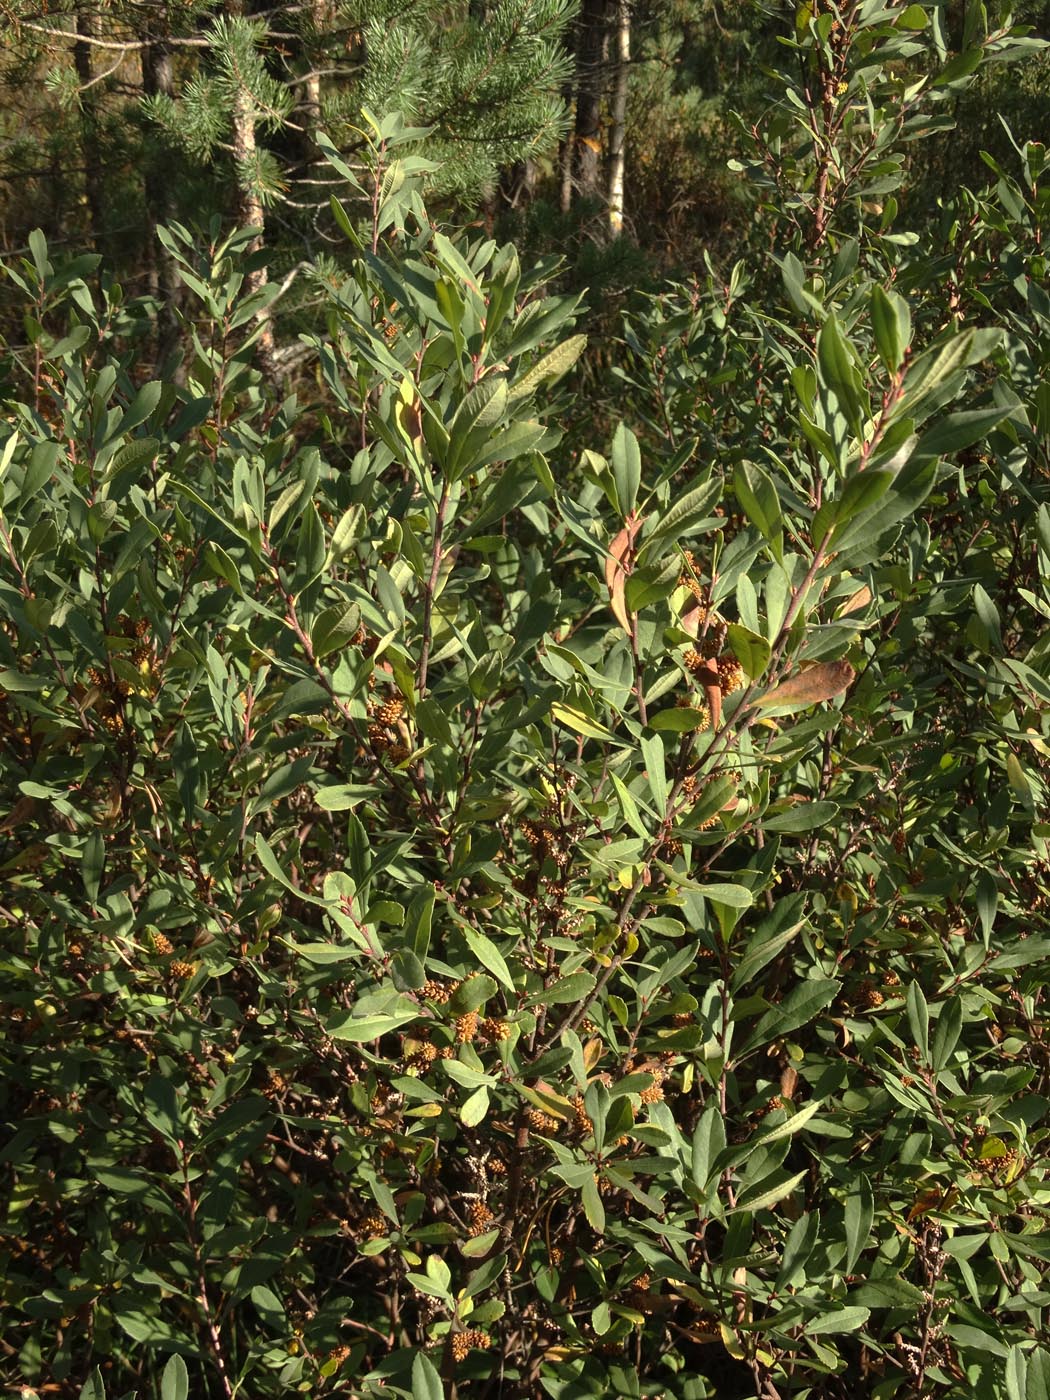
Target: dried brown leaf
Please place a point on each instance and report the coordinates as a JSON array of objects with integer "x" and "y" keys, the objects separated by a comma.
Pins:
[{"x": 809, "y": 687}]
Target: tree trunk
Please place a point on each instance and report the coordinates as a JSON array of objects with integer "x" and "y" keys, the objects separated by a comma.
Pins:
[
  {"x": 87, "y": 25},
  {"x": 587, "y": 143},
  {"x": 250, "y": 212},
  {"x": 158, "y": 81},
  {"x": 619, "y": 117}
]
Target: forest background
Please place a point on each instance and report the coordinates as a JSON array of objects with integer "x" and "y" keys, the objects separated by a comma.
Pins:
[{"x": 525, "y": 699}]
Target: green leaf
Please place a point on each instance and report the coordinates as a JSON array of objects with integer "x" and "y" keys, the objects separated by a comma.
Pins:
[
  {"x": 1016, "y": 1370},
  {"x": 475, "y": 1107},
  {"x": 801, "y": 1005},
  {"x": 733, "y": 896},
  {"x": 709, "y": 1141},
  {"x": 551, "y": 366},
  {"x": 141, "y": 406},
  {"x": 976, "y": 1339},
  {"x": 758, "y": 499},
  {"x": 360, "y": 1029},
  {"x": 859, "y": 1212},
  {"x": 958, "y": 431},
  {"x": 687, "y": 511},
  {"x": 489, "y": 956},
  {"x": 804, "y": 816},
  {"x": 847, "y": 1319},
  {"x": 627, "y": 468},
  {"x": 679, "y": 719},
  {"x": 914, "y": 17},
  {"x": 476, "y": 417},
  {"x": 161, "y": 1108},
  {"x": 946, "y": 1036},
  {"x": 769, "y": 939},
  {"x": 751, "y": 650},
  {"x": 579, "y": 722},
  {"x": 324, "y": 954},
  {"x": 94, "y": 1387},
  {"x": 575, "y": 987},
  {"x": 91, "y": 864},
  {"x": 794, "y": 1124},
  {"x": 426, "y": 1383},
  {"x": 175, "y": 1380},
  {"x": 959, "y": 68},
  {"x": 593, "y": 1208},
  {"x": 1037, "y": 1375},
  {"x": 838, "y": 369},
  {"x": 768, "y": 1192},
  {"x": 919, "y": 1019}
]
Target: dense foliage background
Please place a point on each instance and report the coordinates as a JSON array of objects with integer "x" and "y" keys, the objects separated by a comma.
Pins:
[{"x": 524, "y": 764}]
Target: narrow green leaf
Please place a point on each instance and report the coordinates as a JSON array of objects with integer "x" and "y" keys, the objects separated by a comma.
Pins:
[
  {"x": 768, "y": 1192},
  {"x": 709, "y": 1141},
  {"x": 593, "y": 1208},
  {"x": 860, "y": 1212},
  {"x": 161, "y": 1108},
  {"x": 489, "y": 956},
  {"x": 627, "y": 468},
  {"x": 919, "y": 1019}
]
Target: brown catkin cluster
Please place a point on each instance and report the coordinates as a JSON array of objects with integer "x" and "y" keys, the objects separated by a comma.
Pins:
[
  {"x": 671, "y": 847},
  {"x": 159, "y": 942},
  {"x": 687, "y": 579},
  {"x": 581, "y": 1118},
  {"x": 390, "y": 711},
  {"x": 693, "y": 661},
  {"x": 481, "y": 1219},
  {"x": 494, "y": 1030},
  {"x": 466, "y": 1027},
  {"x": 439, "y": 992},
  {"x": 541, "y": 1122},
  {"x": 463, "y": 1343},
  {"x": 688, "y": 702},
  {"x": 682, "y": 1018},
  {"x": 372, "y": 1227},
  {"x": 655, "y": 1091},
  {"x": 548, "y": 841},
  {"x": 422, "y": 1057},
  {"x": 182, "y": 969},
  {"x": 730, "y": 675},
  {"x": 770, "y": 1106}
]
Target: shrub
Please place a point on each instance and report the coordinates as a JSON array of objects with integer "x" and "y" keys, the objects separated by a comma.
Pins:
[{"x": 493, "y": 919}]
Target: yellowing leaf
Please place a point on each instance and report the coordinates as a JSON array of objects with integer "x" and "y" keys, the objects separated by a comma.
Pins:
[{"x": 583, "y": 724}]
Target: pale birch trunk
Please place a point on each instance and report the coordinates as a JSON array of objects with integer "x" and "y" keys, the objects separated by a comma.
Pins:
[{"x": 619, "y": 117}]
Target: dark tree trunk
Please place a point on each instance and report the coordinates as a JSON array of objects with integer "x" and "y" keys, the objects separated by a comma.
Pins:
[
  {"x": 593, "y": 32},
  {"x": 158, "y": 80},
  {"x": 87, "y": 26}
]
